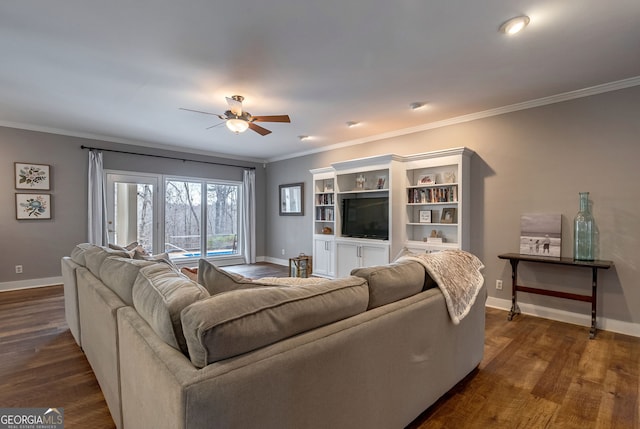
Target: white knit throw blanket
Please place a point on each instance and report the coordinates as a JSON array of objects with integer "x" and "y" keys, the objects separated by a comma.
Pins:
[{"x": 458, "y": 276}]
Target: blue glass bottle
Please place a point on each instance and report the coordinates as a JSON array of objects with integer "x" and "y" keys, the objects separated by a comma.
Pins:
[{"x": 583, "y": 231}]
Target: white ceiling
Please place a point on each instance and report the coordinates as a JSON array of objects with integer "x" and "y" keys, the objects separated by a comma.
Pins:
[{"x": 120, "y": 70}]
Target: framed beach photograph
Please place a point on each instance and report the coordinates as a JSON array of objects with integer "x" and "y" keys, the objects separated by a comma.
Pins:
[
  {"x": 292, "y": 199},
  {"x": 449, "y": 215},
  {"x": 33, "y": 206},
  {"x": 426, "y": 179},
  {"x": 541, "y": 234},
  {"x": 32, "y": 176},
  {"x": 425, "y": 216}
]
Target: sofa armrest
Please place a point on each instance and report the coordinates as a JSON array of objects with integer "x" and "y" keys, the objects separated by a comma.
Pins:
[{"x": 71, "y": 308}]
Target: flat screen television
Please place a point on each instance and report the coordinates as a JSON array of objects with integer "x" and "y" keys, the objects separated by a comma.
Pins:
[{"x": 366, "y": 218}]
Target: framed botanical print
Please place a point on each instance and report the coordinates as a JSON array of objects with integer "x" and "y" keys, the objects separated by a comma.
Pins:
[
  {"x": 32, "y": 176},
  {"x": 33, "y": 206}
]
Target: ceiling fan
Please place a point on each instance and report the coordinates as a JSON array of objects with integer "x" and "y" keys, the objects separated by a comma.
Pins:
[{"x": 238, "y": 120}]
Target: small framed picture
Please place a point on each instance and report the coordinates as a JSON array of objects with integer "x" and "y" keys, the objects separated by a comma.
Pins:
[
  {"x": 425, "y": 216},
  {"x": 32, "y": 176},
  {"x": 328, "y": 185},
  {"x": 382, "y": 180},
  {"x": 449, "y": 215},
  {"x": 427, "y": 179},
  {"x": 33, "y": 206}
]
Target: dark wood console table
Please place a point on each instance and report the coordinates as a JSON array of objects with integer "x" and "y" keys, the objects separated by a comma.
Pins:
[{"x": 515, "y": 258}]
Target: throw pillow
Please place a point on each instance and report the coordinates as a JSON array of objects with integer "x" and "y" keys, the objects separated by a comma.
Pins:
[
  {"x": 192, "y": 273},
  {"x": 216, "y": 280}
]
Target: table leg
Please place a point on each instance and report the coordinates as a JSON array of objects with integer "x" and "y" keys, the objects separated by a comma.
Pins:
[
  {"x": 594, "y": 295},
  {"x": 514, "y": 281}
]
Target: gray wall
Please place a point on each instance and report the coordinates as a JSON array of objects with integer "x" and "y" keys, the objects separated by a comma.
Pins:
[
  {"x": 530, "y": 161},
  {"x": 39, "y": 245}
]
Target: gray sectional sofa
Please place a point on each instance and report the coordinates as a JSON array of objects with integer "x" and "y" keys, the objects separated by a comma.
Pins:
[{"x": 371, "y": 350}]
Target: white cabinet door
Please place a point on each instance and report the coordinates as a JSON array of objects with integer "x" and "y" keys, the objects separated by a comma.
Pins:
[
  {"x": 347, "y": 257},
  {"x": 374, "y": 255},
  {"x": 323, "y": 257},
  {"x": 350, "y": 255}
]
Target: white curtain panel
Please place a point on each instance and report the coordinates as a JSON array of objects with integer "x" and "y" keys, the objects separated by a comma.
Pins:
[
  {"x": 97, "y": 208},
  {"x": 249, "y": 216}
]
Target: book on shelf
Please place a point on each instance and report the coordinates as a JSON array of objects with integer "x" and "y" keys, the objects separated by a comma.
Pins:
[{"x": 438, "y": 194}]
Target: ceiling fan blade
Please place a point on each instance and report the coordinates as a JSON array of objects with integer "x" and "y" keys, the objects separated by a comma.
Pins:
[
  {"x": 216, "y": 125},
  {"x": 258, "y": 129},
  {"x": 274, "y": 118},
  {"x": 235, "y": 105},
  {"x": 198, "y": 111}
]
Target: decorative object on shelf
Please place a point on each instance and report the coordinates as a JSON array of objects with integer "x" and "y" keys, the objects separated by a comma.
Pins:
[
  {"x": 449, "y": 215},
  {"x": 583, "y": 231},
  {"x": 449, "y": 176},
  {"x": 425, "y": 216},
  {"x": 541, "y": 234},
  {"x": 33, "y": 206},
  {"x": 32, "y": 176},
  {"x": 381, "y": 182},
  {"x": 292, "y": 199},
  {"x": 434, "y": 238},
  {"x": 327, "y": 230},
  {"x": 300, "y": 266},
  {"x": 426, "y": 179},
  {"x": 328, "y": 185},
  {"x": 360, "y": 181}
]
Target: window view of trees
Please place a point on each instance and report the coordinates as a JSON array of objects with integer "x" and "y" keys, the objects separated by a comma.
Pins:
[{"x": 184, "y": 212}]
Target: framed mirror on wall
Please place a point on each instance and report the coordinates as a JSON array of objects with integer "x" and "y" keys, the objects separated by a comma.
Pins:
[{"x": 292, "y": 199}]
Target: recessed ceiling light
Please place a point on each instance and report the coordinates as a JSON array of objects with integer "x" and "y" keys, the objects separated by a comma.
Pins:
[
  {"x": 352, "y": 124},
  {"x": 303, "y": 138},
  {"x": 514, "y": 25},
  {"x": 417, "y": 105}
]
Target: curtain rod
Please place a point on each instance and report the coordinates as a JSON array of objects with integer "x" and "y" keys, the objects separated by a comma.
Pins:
[{"x": 167, "y": 157}]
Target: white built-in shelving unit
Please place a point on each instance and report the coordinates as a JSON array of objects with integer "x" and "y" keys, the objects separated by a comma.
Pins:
[{"x": 426, "y": 192}]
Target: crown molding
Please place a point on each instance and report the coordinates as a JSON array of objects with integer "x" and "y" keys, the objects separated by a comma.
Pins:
[{"x": 553, "y": 99}]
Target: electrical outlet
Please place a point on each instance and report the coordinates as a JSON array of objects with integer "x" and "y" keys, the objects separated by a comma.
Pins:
[
  {"x": 499, "y": 284},
  {"x": 282, "y": 252},
  {"x": 18, "y": 269}
]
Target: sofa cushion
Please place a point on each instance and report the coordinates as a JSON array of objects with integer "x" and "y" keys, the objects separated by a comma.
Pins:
[
  {"x": 236, "y": 322},
  {"x": 95, "y": 256},
  {"x": 77, "y": 254},
  {"x": 392, "y": 282},
  {"x": 119, "y": 274},
  {"x": 216, "y": 280},
  {"x": 159, "y": 294}
]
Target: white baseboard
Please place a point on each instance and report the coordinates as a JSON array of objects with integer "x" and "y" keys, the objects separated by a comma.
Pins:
[
  {"x": 606, "y": 324},
  {"x": 283, "y": 262},
  {"x": 32, "y": 283}
]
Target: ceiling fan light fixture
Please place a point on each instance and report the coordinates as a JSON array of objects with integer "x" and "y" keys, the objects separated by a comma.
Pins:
[
  {"x": 237, "y": 125},
  {"x": 514, "y": 25}
]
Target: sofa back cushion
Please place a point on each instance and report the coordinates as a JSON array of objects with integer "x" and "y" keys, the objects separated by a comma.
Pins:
[
  {"x": 239, "y": 321},
  {"x": 392, "y": 282},
  {"x": 159, "y": 294},
  {"x": 77, "y": 254},
  {"x": 119, "y": 274},
  {"x": 94, "y": 257}
]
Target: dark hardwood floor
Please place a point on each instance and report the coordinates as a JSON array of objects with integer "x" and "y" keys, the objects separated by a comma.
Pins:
[{"x": 536, "y": 373}]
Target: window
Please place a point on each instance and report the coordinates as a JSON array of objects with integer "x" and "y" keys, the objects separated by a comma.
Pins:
[
  {"x": 131, "y": 210},
  {"x": 187, "y": 203},
  {"x": 198, "y": 217}
]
